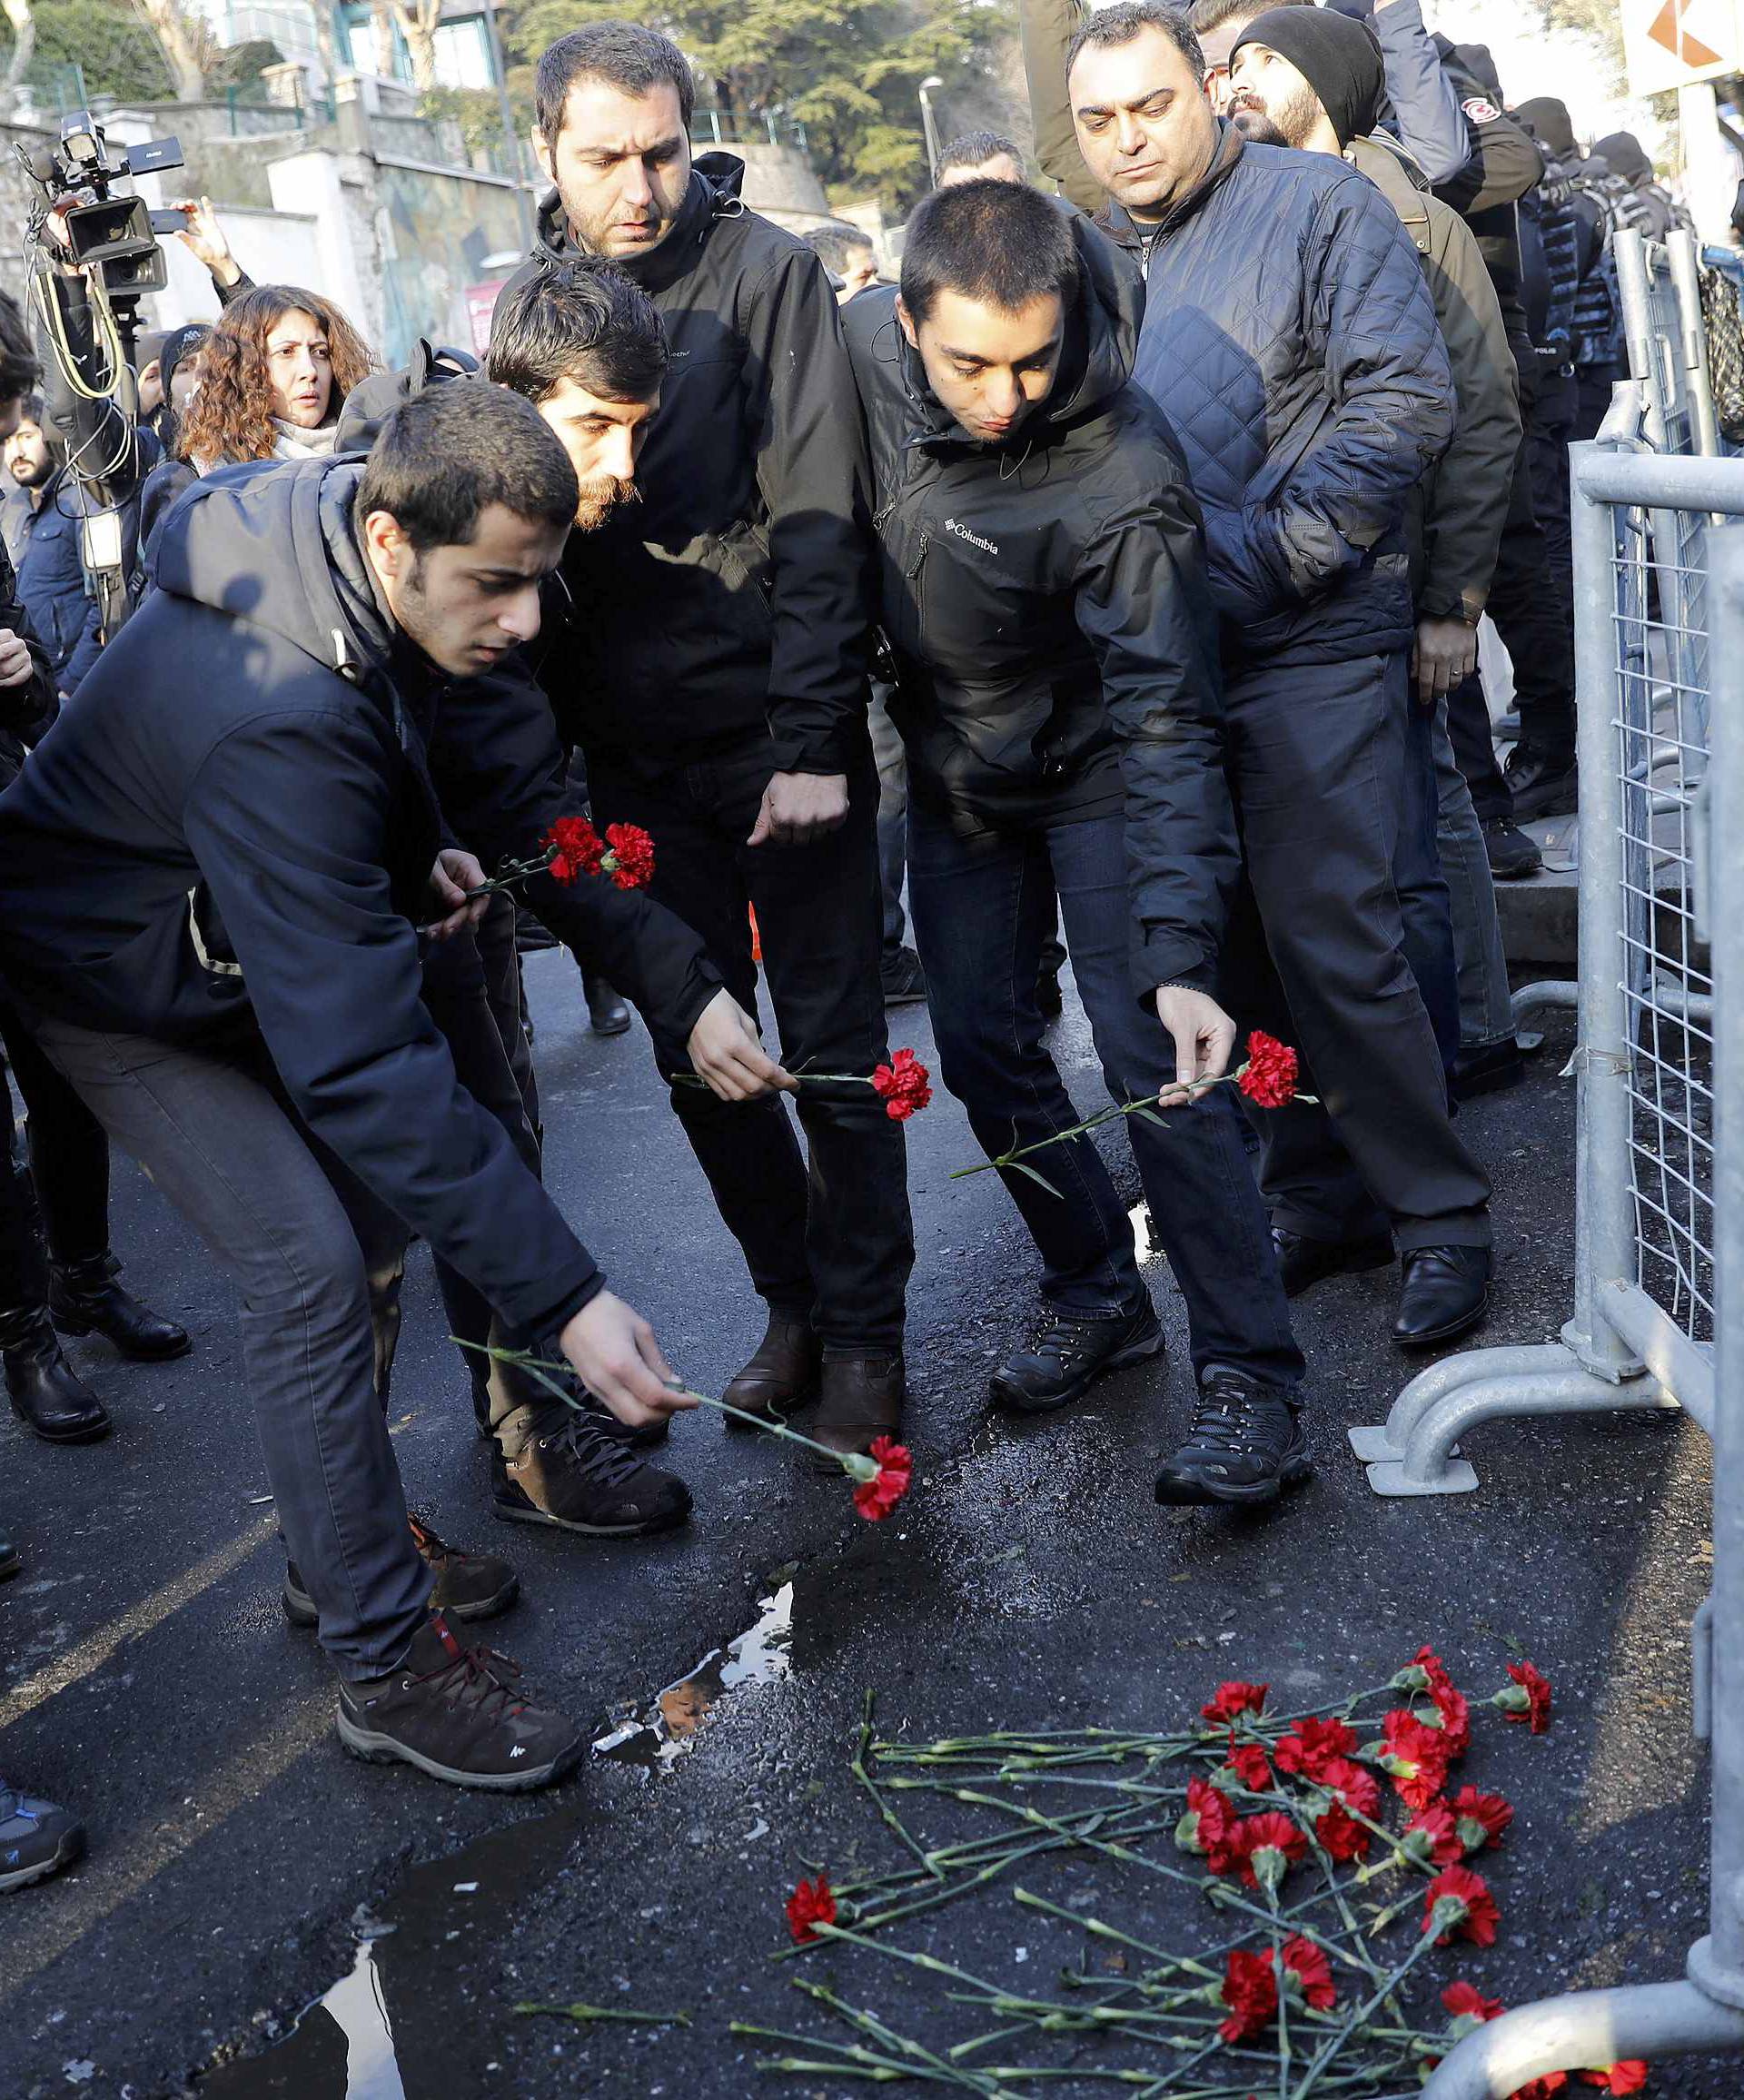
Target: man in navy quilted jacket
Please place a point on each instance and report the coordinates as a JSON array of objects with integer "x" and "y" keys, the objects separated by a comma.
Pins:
[{"x": 1290, "y": 339}]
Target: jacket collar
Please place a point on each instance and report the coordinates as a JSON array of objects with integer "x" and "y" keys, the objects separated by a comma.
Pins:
[{"x": 1117, "y": 223}]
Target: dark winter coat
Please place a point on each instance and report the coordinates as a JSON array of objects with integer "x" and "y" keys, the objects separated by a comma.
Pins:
[
  {"x": 1291, "y": 341},
  {"x": 1045, "y": 605},
  {"x": 231, "y": 829},
  {"x": 734, "y": 597},
  {"x": 27, "y": 710},
  {"x": 47, "y": 545}
]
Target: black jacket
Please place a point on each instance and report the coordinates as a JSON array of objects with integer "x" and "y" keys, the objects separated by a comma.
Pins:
[
  {"x": 735, "y": 595},
  {"x": 1291, "y": 341},
  {"x": 27, "y": 710},
  {"x": 232, "y": 828},
  {"x": 1047, "y": 608}
]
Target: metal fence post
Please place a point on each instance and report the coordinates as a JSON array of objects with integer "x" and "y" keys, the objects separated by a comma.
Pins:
[
  {"x": 1605, "y": 1237},
  {"x": 1685, "y": 258}
]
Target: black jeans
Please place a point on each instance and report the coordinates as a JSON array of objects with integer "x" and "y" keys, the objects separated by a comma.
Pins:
[
  {"x": 1532, "y": 603},
  {"x": 833, "y": 1243},
  {"x": 65, "y": 1198},
  {"x": 1317, "y": 954},
  {"x": 982, "y": 906}
]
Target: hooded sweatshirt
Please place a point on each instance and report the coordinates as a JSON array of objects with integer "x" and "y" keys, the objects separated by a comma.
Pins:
[
  {"x": 226, "y": 840},
  {"x": 1046, "y": 607},
  {"x": 732, "y": 601}
]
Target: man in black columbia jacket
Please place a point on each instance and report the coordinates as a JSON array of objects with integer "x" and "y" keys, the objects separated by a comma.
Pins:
[
  {"x": 1290, "y": 341},
  {"x": 718, "y": 688},
  {"x": 1044, "y": 596},
  {"x": 211, "y": 875}
]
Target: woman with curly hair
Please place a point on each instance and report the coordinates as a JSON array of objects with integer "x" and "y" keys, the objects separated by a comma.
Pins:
[{"x": 269, "y": 383}]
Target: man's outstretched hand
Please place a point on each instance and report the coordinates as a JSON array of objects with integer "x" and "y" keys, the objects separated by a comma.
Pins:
[
  {"x": 799, "y": 809},
  {"x": 1203, "y": 1037},
  {"x": 725, "y": 1055},
  {"x": 612, "y": 1350}
]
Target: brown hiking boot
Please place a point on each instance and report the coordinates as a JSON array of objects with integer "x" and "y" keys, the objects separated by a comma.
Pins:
[
  {"x": 782, "y": 1377},
  {"x": 862, "y": 1399},
  {"x": 467, "y": 1585},
  {"x": 459, "y": 1714}
]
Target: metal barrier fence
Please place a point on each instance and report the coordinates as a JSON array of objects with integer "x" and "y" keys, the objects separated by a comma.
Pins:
[
  {"x": 1660, "y": 296},
  {"x": 1659, "y": 1312}
]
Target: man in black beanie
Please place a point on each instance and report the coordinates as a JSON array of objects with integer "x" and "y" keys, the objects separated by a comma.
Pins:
[{"x": 1343, "y": 79}]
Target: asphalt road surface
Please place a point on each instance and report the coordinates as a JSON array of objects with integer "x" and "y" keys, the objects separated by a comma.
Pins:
[{"x": 239, "y": 1861}]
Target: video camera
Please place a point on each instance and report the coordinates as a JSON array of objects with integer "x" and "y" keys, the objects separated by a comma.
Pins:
[{"x": 112, "y": 236}]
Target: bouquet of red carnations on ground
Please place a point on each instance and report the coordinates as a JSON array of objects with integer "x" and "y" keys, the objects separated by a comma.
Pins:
[{"x": 1313, "y": 1838}]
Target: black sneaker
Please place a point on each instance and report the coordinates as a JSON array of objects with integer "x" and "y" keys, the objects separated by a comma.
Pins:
[
  {"x": 457, "y": 1713},
  {"x": 1066, "y": 1352},
  {"x": 1245, "y": 1445},
  {"x": 1541, "y": 783},
  {"x": 904, "y": 980},
  {"x": 36, "y": 1839},
  {"x": 580, "y": 1477},
  {"x": 467, "y": 1585},
  {"x": 1512, "y": 854}
]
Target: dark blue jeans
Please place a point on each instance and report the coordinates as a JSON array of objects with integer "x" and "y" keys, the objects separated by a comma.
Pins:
[{"x": 982, "y": 907}]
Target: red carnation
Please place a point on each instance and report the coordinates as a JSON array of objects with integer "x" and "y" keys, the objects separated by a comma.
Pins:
[
  {"x": 1466, "y": 2002},
  {"x": 1459, "y": 1902},
  {"x": 1251, "y": 1993},
  {"x": 630, "y": 860},
  {"x": 1439, "y": 1843},
  {"x": 575, "y": 847},
  {"x": 1341, "y": 1836},
  {"x": 1453, "y": 1717},
  {"x": 1267, "y": 1846},
  {"x": 1414, "y": 1756},
  {"x": 1628, "y": 2076},
  {"x": 1527, "y": 1699},
  {"x": 1247, "y": 1760},
  {"x": 1269, "y": 1078},
  {"x": 904, "y": 1086},
  {"x": 1208, "y": 1825},
  {"x": 1482, "y": 1818},
  {"x": 1313, "y": 1746},
  {"x": 1354, "y": 1784},
  {"x": 875, "y": 1499},
  {"x": 1309, "y": 1965},
  {"x": 809, "y": 1905},
  {"x": 1235, "y": 1698}
]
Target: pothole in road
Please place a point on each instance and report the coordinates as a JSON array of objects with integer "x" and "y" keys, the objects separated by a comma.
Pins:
[{"x": 392, "y": 2027}]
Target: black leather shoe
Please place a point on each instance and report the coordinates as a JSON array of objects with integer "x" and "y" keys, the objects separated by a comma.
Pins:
[
  {"x": 1244, "y": 1447},
  {"x": 1511, "y": 854},
  {"x": 860, "y": 1398},
  {"x": 1304, "y": 1261},
  {"x": 1445, "y": 1294},
  {"x": 48, "y": 1394},
  {"x": 903, "y": 979},
  {"x": 1487, "y": 1068},
  {"x": 1542, "y": 783},
  {"x": 608, "y": 1013},
  {"x": 1066, "y": 1353},
  {"x": 782, "y": 1375},
  {"x": 84, "y": 1298}
]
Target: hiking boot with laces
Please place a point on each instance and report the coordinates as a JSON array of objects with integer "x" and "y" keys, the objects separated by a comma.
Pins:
[
  {"x": 459, "y": 1714},
  {"x": 580, "y": 1477},
  {"x": 36, "y": 1839},
  {"x": 467, "y": 1585},
  {"x": 1244, "y": 1445},
  {"x": 1066, "y": 1352}
]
